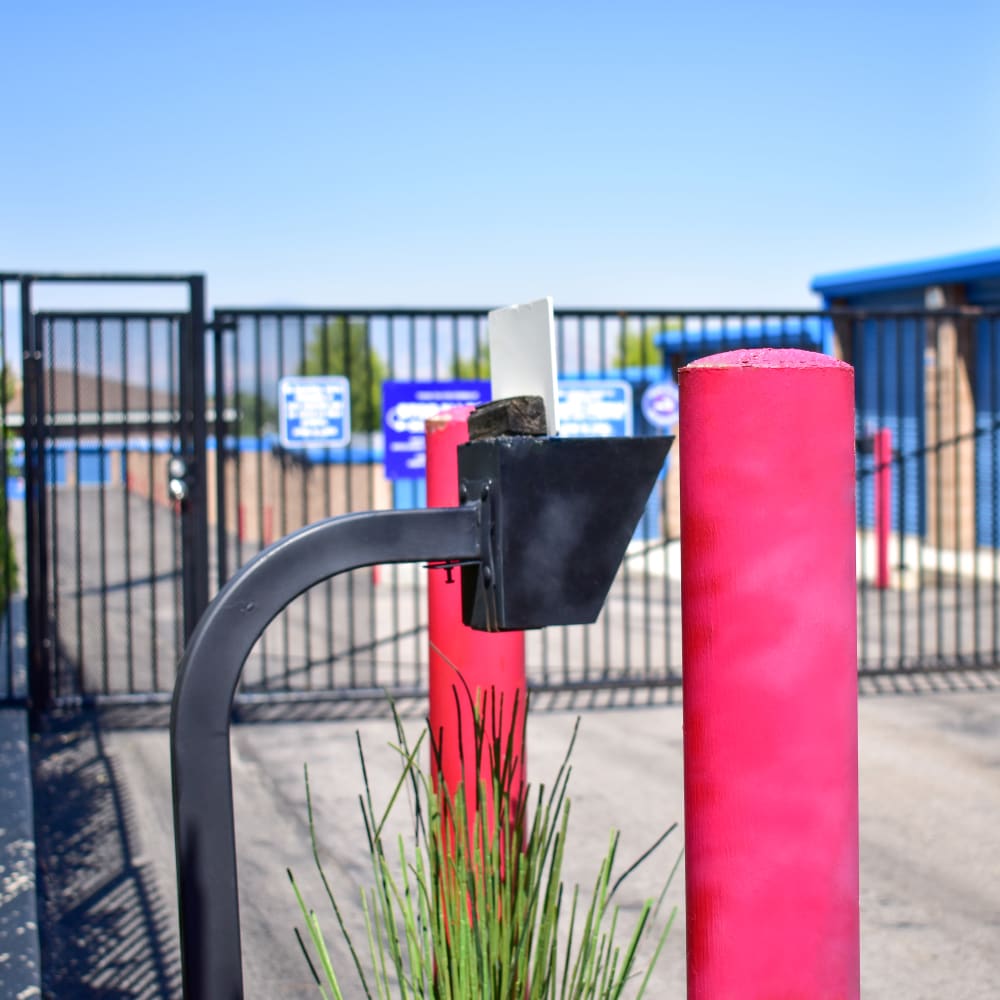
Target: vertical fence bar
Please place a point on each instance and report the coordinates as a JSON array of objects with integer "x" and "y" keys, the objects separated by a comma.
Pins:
[
  {"x": 938, "y": 489},
  {"x": 993, "y": 332},
  {"x": 194, "y": 517},
  {"x": 770, "y": 683},
  {"x": 177, "y": 443},
  {"x": 47, "y": 339},
  {"x": 918, "y": 360},
  {"x": 882, "y": 525},
  {"x": 102, "y": 512},
  {"x": 262, "y": 540},
  {"x": 39, "y": 680},
  {"x": 903, "y": 446},
  {"x": 958, "y": 446},
  {"x": 861, "y": 484},
  {"x": 9, "y": 554},
  {"x": 221, "y": 493},
  {"x": 286, "y": 463},
  {"x": 125, "y": 494},
  {"x": 973, "y": 341},
  {"x": 154, "y": 645},
  {"x": 883, "y": 510}
]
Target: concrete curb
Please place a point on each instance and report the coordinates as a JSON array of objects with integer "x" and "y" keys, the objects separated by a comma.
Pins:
[{"x": 20, "y": 955}]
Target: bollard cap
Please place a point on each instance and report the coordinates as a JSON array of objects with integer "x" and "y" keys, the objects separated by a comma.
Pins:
[{"x": 768, "y": 357}]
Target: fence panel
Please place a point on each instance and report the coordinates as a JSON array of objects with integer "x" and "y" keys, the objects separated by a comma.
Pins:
[
  {"x": 111, "y": 392},
  {"x": 369, "y": 631},
  {"x": 113, "y": 382}
]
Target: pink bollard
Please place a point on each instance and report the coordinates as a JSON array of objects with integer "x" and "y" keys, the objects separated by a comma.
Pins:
[
  {"x": 770, "y": 676},
  {"x": 484, "y": 661},
  {"x": 883, "y": 504}
]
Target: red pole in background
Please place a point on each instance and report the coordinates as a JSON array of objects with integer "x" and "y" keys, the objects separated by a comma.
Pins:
[
  {"x": 883, "y": 503},
  {"x": 491, "y": 664},
  {"x": 770, "y": 676}
]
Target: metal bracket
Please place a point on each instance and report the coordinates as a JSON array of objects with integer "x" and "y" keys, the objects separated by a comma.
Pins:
[
  {"x": 449, "y": 566},
  {"x": 480, "y": 583}
]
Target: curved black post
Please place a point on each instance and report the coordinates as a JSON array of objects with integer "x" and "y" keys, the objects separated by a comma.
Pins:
[{"x": 204, "y": 836}]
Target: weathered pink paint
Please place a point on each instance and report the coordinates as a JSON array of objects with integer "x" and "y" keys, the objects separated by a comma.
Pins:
[
  {"x": 490, "y": 664},
  {"x": 770, "y": 676},
  {"x": 883, "y": 503}
]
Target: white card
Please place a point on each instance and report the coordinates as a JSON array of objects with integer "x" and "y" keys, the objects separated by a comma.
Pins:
[{"x": 523, "y": 355}]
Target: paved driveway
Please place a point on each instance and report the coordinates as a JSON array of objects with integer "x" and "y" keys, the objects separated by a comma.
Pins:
[{"x": 930, "y": 868}]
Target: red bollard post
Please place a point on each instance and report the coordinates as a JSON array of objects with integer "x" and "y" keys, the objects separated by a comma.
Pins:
[
  {"x": 490, "y": 664},
  {"x": 770, "y": 676},
  {"x": 883, "y": 503}
]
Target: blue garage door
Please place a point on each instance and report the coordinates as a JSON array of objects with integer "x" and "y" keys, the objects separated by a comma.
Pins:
[
  {"x": 988, "y": 432},
  {"x": 93, "y": 467},
  {"x": 889, "y": 388},
  {"x": 55, "y": 467}
]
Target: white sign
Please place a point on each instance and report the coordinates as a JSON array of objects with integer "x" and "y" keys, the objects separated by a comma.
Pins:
[
  {"x": 523, "y": 355},
  {"x": 595, "y": 408},
  {"x": 314, "y": 411}
]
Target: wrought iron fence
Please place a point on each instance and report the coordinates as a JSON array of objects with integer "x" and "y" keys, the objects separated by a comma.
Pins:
[
  {"x": 928, "y": 384},
  {"x": 928, "y": 488}
]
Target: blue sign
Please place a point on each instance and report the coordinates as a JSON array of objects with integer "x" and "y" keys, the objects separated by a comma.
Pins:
[
  {"x": 594, "y": 408},
  {"x": 314, "y": 411},
  {"x": 661, "y": 404},
  {"x": 406, "y": 406}
]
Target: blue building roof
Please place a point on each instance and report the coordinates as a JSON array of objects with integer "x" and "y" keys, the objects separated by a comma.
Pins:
[{"x": 979, "y": 271}]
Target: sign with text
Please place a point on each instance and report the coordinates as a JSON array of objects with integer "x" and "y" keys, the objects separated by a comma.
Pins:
[
  {"x": 406, "y": 406},
  {"x": 661, "y": 404},
  {"x": 314, "y": 411},
  {"x": 594, "y": 408}
]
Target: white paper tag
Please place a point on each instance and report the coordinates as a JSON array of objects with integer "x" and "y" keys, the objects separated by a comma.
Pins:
[{"x": 523, "y": 355}]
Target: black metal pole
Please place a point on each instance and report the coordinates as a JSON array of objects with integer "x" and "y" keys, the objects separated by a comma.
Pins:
[
  {"x": 221, "y": 535},
  {"x": 39, "y": 681},
  {"x": 209, "y": 672},
  {"x": 194, "y": 520}
]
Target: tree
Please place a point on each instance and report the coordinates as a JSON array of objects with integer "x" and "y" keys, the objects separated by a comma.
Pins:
[
  {"x": 638, "y": 350},
  {"x": 255, "y": 415},
  {"x": 472, "y": 369},
  {"x": 342, "y": 347}
]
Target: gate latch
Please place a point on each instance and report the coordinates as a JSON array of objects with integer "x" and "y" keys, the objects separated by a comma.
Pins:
[{"x": 178, "y": 486}]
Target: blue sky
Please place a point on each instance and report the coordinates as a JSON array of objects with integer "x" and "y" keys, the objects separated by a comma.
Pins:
[{"x": 629, "y": 153}]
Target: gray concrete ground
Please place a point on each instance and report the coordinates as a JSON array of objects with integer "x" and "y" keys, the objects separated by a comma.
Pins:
[
  {"x": 930, "y": 870},
  {"x": 930, "y": 792},
  {"x": 20, "y": 961}
]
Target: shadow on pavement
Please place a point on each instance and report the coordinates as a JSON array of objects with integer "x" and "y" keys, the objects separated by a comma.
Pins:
[{"x": 105, "y": 931}]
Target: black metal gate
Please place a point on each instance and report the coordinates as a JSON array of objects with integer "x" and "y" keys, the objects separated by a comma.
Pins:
[{"x": 117, "y": 573}]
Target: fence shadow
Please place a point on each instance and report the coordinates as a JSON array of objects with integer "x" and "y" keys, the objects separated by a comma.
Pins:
[{"x": 105, "y": 930}]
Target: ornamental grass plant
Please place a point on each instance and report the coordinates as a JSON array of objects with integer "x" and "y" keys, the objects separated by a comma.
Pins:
[{"x": 472, "y": 903}]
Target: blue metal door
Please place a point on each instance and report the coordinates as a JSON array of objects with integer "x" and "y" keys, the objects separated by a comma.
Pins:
[
  {"x": 889, "y": 388},
  {"x": 988, "y": 432}
]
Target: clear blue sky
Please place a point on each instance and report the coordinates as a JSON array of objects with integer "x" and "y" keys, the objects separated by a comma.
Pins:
[{"x": 626, "y": 153}]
